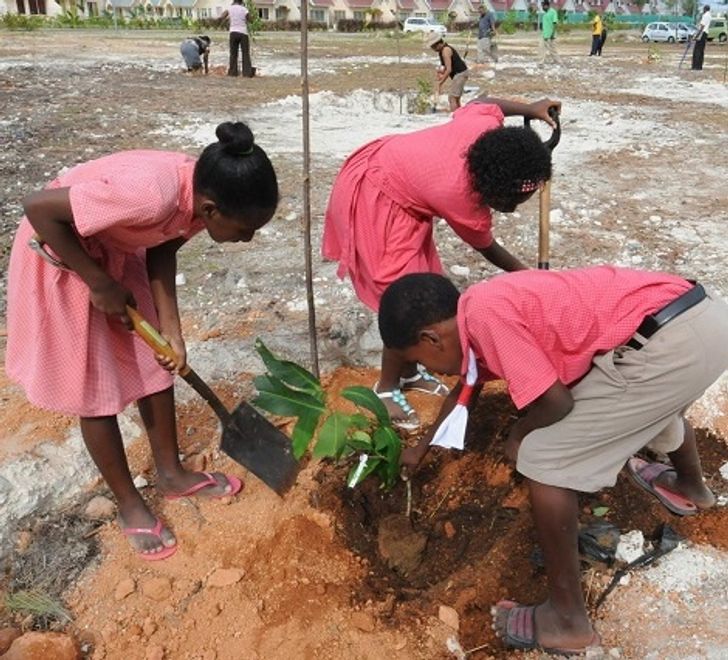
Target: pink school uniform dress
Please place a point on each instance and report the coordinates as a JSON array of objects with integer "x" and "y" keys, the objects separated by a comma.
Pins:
[
  {"x": 67, "y": 355},
  {"x": 378, "y": 223},
  {"x": 534, "y": 327}
]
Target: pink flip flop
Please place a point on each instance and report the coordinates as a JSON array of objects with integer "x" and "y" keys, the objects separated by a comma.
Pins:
[
  {"x": 236, "y": 485},
  {"x": 151, "y": 531},
  {"x": 644, "y": 475}
]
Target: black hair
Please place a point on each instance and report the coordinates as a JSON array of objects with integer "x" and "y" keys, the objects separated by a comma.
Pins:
[
  {"x": 236, "y": 173},
  {"x": 507, "y": 161},
  {"x": 414, "y": 302},
  {"x": 545, "y": 3},
  {"x": 204, "y": 37}
]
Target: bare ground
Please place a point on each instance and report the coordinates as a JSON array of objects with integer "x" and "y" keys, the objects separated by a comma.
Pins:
[{"x": 640, "y": 180}]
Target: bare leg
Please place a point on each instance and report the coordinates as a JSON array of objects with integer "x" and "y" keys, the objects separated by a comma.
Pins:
[
  {"x": 103, "y": 441},
  {"x": 561, "y": 621},
  {"x": 687, "y": 480},
  {"x": 158, "y": 415}
]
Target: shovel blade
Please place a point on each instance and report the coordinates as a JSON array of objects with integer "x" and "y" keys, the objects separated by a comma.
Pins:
[{"x": 251, "y": 440}]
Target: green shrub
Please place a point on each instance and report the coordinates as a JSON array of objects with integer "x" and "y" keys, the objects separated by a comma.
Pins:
[
  {"x": 508, "y": 24},
  {"x": 21, "y": 21}
]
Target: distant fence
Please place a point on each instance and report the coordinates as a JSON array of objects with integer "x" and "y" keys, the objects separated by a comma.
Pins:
[{"x": 582, "y": 17}]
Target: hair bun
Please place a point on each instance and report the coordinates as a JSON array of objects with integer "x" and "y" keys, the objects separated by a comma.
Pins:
[{"x": 235, "y": 137}]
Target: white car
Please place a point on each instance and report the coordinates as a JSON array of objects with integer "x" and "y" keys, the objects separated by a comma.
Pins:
[
  {"x": 669, "y": 32},
  {"x": 422, "y": 24}
]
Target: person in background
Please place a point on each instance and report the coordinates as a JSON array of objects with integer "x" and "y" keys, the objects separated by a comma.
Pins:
[
  {"x": 548, "y": 34},
  {"x": 384, "y": 201},
  {"x": 114, "y": 226},
  {"x": 238, "y": 17},
  {"x": 603, "y": 40},
  {"x": 597, "y": 29},
  {"x": 701, "y": 38},
  {"x": 487, "y": 47},
  {"x": 451, "y": 66},
  {"x": 195, "y": 52}
]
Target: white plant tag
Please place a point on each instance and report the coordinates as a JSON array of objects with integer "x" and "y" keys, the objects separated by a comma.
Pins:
[{"x": 363, "y": 460}]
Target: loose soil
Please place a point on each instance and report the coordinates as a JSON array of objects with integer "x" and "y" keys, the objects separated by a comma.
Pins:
[{"x": 639, "y": 181}]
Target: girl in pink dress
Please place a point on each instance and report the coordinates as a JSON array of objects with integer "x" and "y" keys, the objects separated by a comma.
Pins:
[
  {"x": 116, "y": 223},
  {"x": 379, "y": 218}
]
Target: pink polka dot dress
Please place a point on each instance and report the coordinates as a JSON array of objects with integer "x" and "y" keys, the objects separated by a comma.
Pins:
[
  {"x": 67, "y": 355},
  {"x": 379, "y": 218}
]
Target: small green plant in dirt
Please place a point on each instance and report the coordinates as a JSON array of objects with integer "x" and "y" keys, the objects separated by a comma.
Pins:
[
  {"x": 422, "y": 101},
  {"x": 289, "y": 390}
]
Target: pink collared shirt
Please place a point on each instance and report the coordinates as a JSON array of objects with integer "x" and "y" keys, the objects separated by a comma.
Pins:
[{"x": 534, "y": 327}]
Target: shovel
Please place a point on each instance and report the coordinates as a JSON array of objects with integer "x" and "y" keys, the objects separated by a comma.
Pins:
[
  {"x": 247, "y": 436},
  {"x": 544, "y": 196},
  {"x": 667, "y": 542},
  {"x": 685, "y": 53}
]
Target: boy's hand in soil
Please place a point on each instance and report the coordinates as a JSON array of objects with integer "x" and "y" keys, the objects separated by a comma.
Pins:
[{"x": 411, "y": 457}]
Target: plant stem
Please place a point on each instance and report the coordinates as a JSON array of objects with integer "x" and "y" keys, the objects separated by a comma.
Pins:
[{"x": 408, "y": 484}]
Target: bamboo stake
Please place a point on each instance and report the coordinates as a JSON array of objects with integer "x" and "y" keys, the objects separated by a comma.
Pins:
[{"x": 307, "y": 190}]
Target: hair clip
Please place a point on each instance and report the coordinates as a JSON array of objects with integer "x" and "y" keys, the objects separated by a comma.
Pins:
[{"x": 529, "y": 185}]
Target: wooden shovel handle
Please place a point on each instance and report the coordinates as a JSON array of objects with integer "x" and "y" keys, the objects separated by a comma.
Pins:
[{"x": 152, "y": 338}]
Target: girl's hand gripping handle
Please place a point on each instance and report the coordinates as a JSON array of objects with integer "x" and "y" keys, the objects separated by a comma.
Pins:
[{"x": 153, "y": 339}]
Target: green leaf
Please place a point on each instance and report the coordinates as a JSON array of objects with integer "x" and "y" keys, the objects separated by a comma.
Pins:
[
  {"x": 365, "y": 397},
  {"x": 277, "y": 398},
  {"x": 332, "y": 436},
  {"x": 600, "y": 511},
  {"x": 303, "y": 432},
  {"x": 290, "y": 373},
  {"x": 386, "y": 440},
  {"x": 362, "y": 437},
  {"x": 357, "y": 445},
  {"x": 372, "y": 464},
  {"x": 360, "y": 421}
]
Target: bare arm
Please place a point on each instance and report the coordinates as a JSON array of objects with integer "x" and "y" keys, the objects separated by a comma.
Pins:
[
  {"x": 535, "y": 110},
  {"x": 223, "y": 17},
  {"x": 447, "y": 60},
  {"x": 500, "y": 257},
  {"x": 162, "y": 269},
  {"x": 51, "y": 215},
  {"x": 206, "y": 59},
  {"x": 413, "y": 456},
  {"x": 553, "y": 405}
]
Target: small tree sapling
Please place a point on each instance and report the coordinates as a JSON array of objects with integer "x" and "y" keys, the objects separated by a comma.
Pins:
[{"x": 289, "y": 390}]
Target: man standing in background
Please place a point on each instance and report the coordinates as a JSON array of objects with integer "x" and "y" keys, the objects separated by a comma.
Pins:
[
  {"x": 596, "y": 35},
  {"x": 487, "y": 47},
  {"x": 701, "y": 37},
  {"x": 548, "y": 33}
]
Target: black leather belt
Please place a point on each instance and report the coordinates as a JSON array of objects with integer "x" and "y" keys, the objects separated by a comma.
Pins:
[{"x": 654, "y": 322}]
